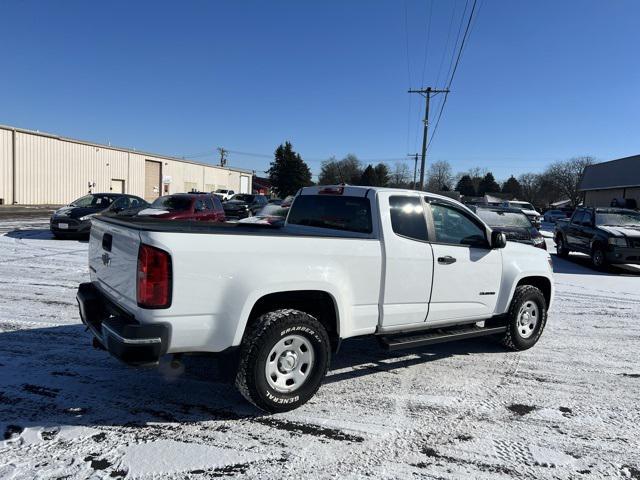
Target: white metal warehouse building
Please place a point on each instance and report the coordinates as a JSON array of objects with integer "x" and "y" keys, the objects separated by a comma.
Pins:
[{"x": 43, "y": 169}]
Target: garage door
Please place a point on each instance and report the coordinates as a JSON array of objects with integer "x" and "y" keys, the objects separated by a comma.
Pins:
[
  {"x": 244, "y": 184},
  {"x": 152, "y": 180},
  {"x": 117, "y": 186}
]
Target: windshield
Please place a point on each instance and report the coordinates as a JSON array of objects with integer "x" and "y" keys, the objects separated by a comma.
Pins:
[
  {"x": 495, "y": 218},
  {"x": 172, "y": 203},
  {"x": 243, "y": 197},
  {"x": 220, "y": 190},
  {"x": 618, "y": 218},
  {"x": 93, "y": 201}
]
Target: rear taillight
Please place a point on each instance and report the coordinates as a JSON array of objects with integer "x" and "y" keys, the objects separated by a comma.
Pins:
[{"x": 154, "y": 277}]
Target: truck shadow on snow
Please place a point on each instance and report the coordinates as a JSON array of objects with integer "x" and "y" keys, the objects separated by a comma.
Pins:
[
  {"x": 50, "y": 377},
  {"x": 40, "y": 234},
  {"x": 579, "y": 264}
]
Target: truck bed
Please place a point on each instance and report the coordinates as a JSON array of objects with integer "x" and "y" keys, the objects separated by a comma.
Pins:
[{"x": 151, "y": 224}]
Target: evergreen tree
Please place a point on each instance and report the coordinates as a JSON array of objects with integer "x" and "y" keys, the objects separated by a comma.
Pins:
[
  {"x": 488, "y": 185},
  {"x": 512, "y": 187},
  {"x": 369, "y": 177},
  {"x": 333, "y": 171},
  {"x": 382, "y": 175},
  {"x": 465, "y": 186},
  {"x": 288, "y": 172}
]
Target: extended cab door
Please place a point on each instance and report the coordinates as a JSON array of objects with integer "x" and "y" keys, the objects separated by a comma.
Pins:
[
  {"x": 408, "y": 260},
  {"x": 466, "y": 272},
  {"x": 574, "y": 230}
]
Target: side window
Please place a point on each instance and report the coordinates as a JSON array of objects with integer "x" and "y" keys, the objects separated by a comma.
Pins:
[
  {"x": 135, "y": 202},
  {"x": 453, "y": 226},
  {"x": 217, "y": 204},
  {"x": 578, "y": 217},
  {"x": 587, "y": 219},
  {"x": 199, "y": 206},
  {"x": 209, "y": 204},
  {"x": 407, "y": 217},
  {"x": 122, "y": 202}
]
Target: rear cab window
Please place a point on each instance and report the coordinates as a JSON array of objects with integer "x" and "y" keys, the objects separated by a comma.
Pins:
[{"x": 334, "y": 212}]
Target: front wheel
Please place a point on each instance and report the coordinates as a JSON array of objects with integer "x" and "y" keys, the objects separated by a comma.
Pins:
[
  {"x": 598, "y": 258},
  {"x": 526, "y": 318},
  {"x": 283, "y": 360}
]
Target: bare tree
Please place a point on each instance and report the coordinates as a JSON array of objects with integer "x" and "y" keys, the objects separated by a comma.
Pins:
[
  {"x": 477, "y": 174},
  {"x": 566, "y": 175},
  {"x": 439, "y": 176},
  {"x": 401, "y": 176}
]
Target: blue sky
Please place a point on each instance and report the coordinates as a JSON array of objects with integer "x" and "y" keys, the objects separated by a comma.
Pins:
[{"x": 539, "y": 80}]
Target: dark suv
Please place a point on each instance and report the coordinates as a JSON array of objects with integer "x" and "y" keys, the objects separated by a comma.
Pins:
[
  {"x": 243, "y": 205},
  {"x": 607, "y": 235}
]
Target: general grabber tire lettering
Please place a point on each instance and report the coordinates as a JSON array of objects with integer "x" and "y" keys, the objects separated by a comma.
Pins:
[
  {"x": 283, "y": 359},
  {"x": 526, "y": 318}
]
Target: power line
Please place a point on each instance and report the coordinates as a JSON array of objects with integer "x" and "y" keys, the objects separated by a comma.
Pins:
[
  {"x": 406, "y": 31},
  {"x": 453, "y": 73},
  {"x": 446, "y": 45},
  {"x": 426, "y": 45}
]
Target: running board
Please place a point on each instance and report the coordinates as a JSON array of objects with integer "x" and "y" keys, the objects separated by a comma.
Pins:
[{"x": 418, "y": 339}]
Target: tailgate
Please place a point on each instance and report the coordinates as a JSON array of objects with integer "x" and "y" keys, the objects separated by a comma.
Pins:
[{"x": 113, "y": 261}]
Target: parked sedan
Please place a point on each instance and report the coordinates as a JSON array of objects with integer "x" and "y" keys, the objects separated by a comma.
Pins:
[
  {"x": 74, "y": 220},
  {"x": 243, "y": 205},
  {"x": 186, "y": 206},
  {"x": 513, "y": 223}
]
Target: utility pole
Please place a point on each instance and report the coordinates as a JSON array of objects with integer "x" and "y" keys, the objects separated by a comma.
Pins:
[
  {"x": 223, "y": 156},
  {"x": 415, "y": 167},
  {"x": 427, "y": 93}
]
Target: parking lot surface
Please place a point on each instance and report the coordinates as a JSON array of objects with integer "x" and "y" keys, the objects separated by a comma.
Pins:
[{"x": 568, "y": 408}]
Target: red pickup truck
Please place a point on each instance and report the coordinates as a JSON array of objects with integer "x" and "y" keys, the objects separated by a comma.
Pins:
[{"x": 186, "y": 206}]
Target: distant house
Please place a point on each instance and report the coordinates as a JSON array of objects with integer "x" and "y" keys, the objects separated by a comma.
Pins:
[
  {"x": 613, "y": 180},
  {"x": 261, "y": 185}
]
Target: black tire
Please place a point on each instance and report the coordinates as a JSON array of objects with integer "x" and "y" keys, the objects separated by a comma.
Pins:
[
  {"x": 265, "y": 334},
  {"x": 598, "y": 257},
  {"x": 514, "y": 338},
  {"x": 561, "y": 247}
]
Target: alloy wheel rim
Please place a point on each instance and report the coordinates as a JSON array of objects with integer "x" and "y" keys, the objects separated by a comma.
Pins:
[
  {"x": 528, "y": 318},
  {"x": 289, "y": 363},
  {"x": 598, "y": 257}
]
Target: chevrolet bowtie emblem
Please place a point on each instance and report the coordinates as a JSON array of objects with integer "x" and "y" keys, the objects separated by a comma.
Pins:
[{"x": 106, "y": 259}]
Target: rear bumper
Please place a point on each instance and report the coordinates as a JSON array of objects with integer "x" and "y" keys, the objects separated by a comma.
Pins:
[
  {"x": 118, "y": 332},
  {"x": 74, "y": 227}
]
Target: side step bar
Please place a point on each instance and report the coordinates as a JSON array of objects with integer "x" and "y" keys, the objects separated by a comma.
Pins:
[{"x": 418, "y": 339}]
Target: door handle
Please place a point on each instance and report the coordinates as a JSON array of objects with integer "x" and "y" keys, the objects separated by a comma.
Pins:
[{"x": 448, "y": 260}]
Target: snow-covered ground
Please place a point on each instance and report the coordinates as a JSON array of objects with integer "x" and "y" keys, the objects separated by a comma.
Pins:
[{"x": 568, "y": 408}]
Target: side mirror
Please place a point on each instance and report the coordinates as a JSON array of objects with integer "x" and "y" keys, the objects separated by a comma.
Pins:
[{"x": 498, "y": 240}]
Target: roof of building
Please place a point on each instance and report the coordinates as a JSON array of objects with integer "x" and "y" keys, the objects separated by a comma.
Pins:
[
  {"x": 620, "y": 173},
  {"x": 121, "y": 149}
]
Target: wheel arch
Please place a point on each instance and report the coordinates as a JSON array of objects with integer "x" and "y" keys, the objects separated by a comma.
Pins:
[
  {"x": 318, "y": 303},
  {"x": 541, "y": 283}
]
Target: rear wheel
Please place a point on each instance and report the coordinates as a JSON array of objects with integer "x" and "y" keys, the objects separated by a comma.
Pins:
[
  {"x": 526, "y": 318},
  {"x": 283, "y": 360},
  {"x": 561, "y": 247}
]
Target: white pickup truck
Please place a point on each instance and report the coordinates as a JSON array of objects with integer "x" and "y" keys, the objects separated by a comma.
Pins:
[{"x": 410, "y": 267}]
